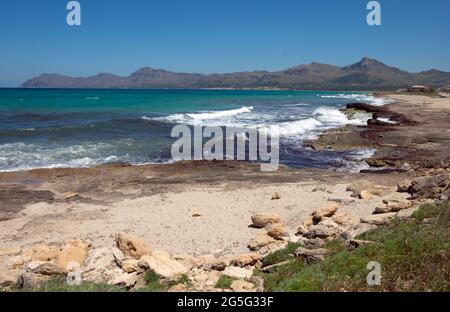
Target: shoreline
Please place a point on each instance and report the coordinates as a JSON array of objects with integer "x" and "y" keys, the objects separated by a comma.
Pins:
[{"x": 171, "y": 208}]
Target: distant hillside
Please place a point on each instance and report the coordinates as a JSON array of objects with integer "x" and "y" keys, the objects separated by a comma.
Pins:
[{"x": 366, "y": 74}]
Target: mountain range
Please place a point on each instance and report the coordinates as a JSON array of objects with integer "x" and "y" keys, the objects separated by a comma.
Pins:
[{"x": 367, "y": 74}]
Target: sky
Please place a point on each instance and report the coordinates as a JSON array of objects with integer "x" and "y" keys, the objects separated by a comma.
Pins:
[{"x": 209, "y": 36}]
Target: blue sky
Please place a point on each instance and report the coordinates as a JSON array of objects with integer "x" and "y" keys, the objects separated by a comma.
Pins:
[{"x": 216, "y": 36}]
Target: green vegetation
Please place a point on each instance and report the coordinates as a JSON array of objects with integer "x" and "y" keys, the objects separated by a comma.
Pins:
[
  {"x": 155, "y": 284},
  {"x": 224, "y": 282},
  {"x": 280, "y": 255},
  {"x": 413, "y": 257},
  {"x": 59, "y": 284}
]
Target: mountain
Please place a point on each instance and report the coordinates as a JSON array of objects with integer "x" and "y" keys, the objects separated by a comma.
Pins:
[{"x": 363, "y": 75}]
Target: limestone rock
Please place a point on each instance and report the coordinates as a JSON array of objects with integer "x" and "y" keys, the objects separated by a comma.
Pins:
[
  {"x": 130, "y": 266},
  {"x": 264, "y": 219},
  {"x": 358, "y": 186},
  {"x": 241, "y": 286},
  {"x": 44, "y": 268},
  {"x": 246, "y": 259},
  {"x": 41, "y": 253},
  {"x": 277, "y": 231},
  {"x": 132, "y": 246},
  {"x": 9, "y": 278},
  {"x": 397, "y": 204},
  {"x": 11, "y": 251},
  {"x": 357, "y": 230},
  {"x": 237, "y": 272},
  {"x": 325, "y": 229},
  {"x": 301, "y": 230},
  {"x": 365, "y": 195},
  {"x": 124, "y": 279},
  {"x": 74, "y": 251},
  {"x": 326, "y": 211},
  {"x": 311, "y": 255},
  {"x": 260, "y": 241},
  {"x": 403, "y": 186},
  {"x": 407, "y": 213},
  {"x": 344, "y": 219},
  {"x": 31, "y": 280},
  {"x": 161, "y": 263},
  {"x": 378, "y": 219},
  {"x": 178, "y": 288},
  {"x": 429, "y": 187}
]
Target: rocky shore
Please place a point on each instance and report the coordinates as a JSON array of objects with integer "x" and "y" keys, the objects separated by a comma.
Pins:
[{"x": 198, "y": 226}]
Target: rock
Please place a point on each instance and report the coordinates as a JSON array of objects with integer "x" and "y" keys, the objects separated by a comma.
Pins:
[
  {"x": 314, "y": 243},
  {"x": 131, "y": 266},
  {"x": 31, "y": 280},
  {"x": 44, "y": 268},
  {"x": 357, "y": 230},
  {"x": 277, "y": 231},
  {"x": 195, "y": 213},
  {"x": 382, "y": 209},
  {"x": 308, "y": 221},
  {"x": 276, "y": 196},
  {"x": 246, "y": 259},
  {"x": 327, "y": 211},
  {"x": 429, "y": 187},
  {"x": 9, "y": 278},
  {"x": 311, "y": 255},
  {"x": 325, "y": 229},
  {"x": 365, "y": 195},
  {"x": 403, "y": 186},
  {"x": 379, "y": 219},
  {"x": 344, "y": 219},
  {"x": 263, "y": 219},
  {"x": 161, "y": 263},
  {"x": 124, "y": 279},
  {"x": 101, "y": 266},
  {"x": 270, "y": 268},
  {"x": 132, "y": 246},
  {"x": 72, "y": 196},
  {"x": 407, "y": 213},
  {"x": 260, "y": 241},
  {"x": 397, "y": 204},
  {"x": 237, "y": 272},
  {"x": 74, "y": 251},
  {"x": 301, "y": 230},
  {"x": 358, "y": 186},
  {"x": 217, "y": 264},
  {"x": 11, "y": 251},
  {"x": 241, "y": 286},
  {"x": 41, "y": 253}
]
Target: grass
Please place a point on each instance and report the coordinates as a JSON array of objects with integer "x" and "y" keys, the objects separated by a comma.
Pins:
[
  {"x": 413, "y": 257},
  {"x": 224, "y": 282},
  {"x": 155, "y": 284},
  {"x": 59, "y": 284}
]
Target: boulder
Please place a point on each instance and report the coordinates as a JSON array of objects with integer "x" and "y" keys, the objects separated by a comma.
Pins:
[
  {"x": 101, "y": 266},
  {"x": 358, "y": 186},
  {"x": 41, "y": 253},
  {"x": 31, "y": 280},
  {"x": 344, "y": 219},
  {"x": 124, "y": 279},
  {"x": 325, "y": 229},
  {"x": 131, "y": 266},
  {"x": 365, "y": 195},
  {"x": 429, "y": 187},
  {"x": 161, "y": 263},
  {"x": 246, "y": 259},
  {"x": 407, "y": 213},
  {"x": 44, "y": 268},
  {"x": 397, "y": 204},
  {"x": 311, "y": 255},
  {"x": 357, "y": 230},
  {"x": 379, "y": 219},
  {"x": 132, "y": 246},
  {"x": 9, "y": 278},
  {"x": 326, "y": 211},
  {"x": 264, "y": 219},
  {"x": 217, "y": 264},
  {"x": 403, "y": 186},
  {"x": 314, "y": 243},
  {"x": 277, "y": 231},
  {"x": 301, "y": 230},
  {"x": 74, "y": 251},
  {"x": 237, "y": 272},
  {"x": 241, "y": 286},
  {"x": 260, "y": 241}
]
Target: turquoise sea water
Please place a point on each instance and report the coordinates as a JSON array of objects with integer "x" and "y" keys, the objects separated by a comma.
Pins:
[{"x": 76, "y": 128}]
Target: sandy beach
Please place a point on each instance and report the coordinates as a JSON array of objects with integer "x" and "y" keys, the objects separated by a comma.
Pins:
[{"x": 205, "y": 208}]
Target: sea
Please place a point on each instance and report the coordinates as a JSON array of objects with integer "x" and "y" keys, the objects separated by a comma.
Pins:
[{"x": 56, "y": 128}]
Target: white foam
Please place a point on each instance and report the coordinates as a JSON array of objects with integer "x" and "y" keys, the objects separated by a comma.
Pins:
[{"x": 370, "y": 99}]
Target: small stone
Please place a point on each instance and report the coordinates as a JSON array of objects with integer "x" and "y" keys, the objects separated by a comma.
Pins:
[
  {"x": 403, "y": 186},
  {"x": 262, "y": 219},
  {"x": 276, "y": 196},
  {"x": 325, "y": 229}
]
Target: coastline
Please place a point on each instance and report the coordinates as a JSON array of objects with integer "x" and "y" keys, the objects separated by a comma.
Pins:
[{"x": 170, "y": 207}]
